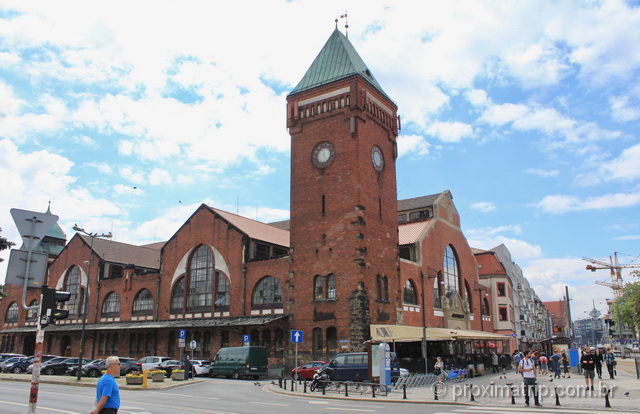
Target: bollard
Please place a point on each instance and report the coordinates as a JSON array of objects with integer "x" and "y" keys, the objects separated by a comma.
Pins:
[
  {"x": 324, "y": 388},
  {"x": 292, "y": 384},
  {"x": 435, "y": 392},
  {"x": 373, "y": 390},
  {"x": 305, "y": 386},
  {"x": 404, "y": 391},
  {"x": 284, "y": 382},
  {"x": 555, "y": 389},
  {"x": 145, "y": 379},
  {"x": 513, "y": 397},
  {"x": 606, "y": 399},
  {"x": 280, "y": 382},
  {"x": 472, "y": 398},
  {"x": 346, "y": 389}
]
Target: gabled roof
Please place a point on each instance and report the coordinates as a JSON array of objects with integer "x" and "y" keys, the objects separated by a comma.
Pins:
[
  {"x": 417, "y": 202},
  {"x": 156, "y": 245},
  {"x": 117, "y": 252},
  {"x": 337, "y": 60},
  {"x": 255, "y": 229}
]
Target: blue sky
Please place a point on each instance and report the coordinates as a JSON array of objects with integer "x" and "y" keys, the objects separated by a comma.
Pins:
[{"x": 128, "y": 115}]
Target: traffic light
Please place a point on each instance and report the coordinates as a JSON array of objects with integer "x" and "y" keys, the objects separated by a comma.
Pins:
[{"x": 49, "y": 310}]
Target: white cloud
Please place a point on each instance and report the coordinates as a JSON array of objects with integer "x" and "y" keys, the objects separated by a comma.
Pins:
[
  {"x": 102, "y": 167},
  {"x": 10, "y": 104},
  {"x": 415, "y": 145},
  {"x": 477, "y": 97},
  {"x": 185, "y": 179},
  {"x": 126, "y": 190},
  {"x": 559, "y": 204},
  {"x": 503, "y": 113},
  {"x": 542, "y": 173},
  {"x": 539, "y": 64},
  {"x": 622, "y": 110},
  {"x": 483, "y": 206},
  {"x": 86, "y": 141},
  {"x": 489, "y": 237},
  {"x": 158, "y": 176},
  {"x": 629, "y": 237},
  {"x": 135, "y": 176},
  {"x": 624, "y": 167},
  {"x": 450, "y": 131}
]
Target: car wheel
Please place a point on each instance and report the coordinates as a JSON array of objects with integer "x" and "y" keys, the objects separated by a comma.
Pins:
[
  {"x": 17, "y": 370},
  {"x": 94, "y": 373},
  {"x": 236, "y": 375},
  {"x": 49, "y": 371}
]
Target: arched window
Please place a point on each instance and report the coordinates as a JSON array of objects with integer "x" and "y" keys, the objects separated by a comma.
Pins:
[
  {"x": 72, "y": 285},
  {"x": 111, "y": 305},
  {"x": 331, "y": 286},
  {"x": 223, "y": 292},
  {"x": 437, "y": 298},
  {"x": 485, "y": 307},
  {"x": 318, "y": 287},
  {"x": 32, "y": 314},
  {"x": 267, "y": 293},
  {"x": 468, "y": 294},
  {"x": 450, "y": 270},
  {"x": 317, "y": 340},
  {"x": 143, "y": 303},
  {"x": 12, "y": 313},
  {"x": 379, "y": 287},
  {"x": 177, "y": 296},
  {"x": 200, "y": 279},
  {"x": 385, "y": 287},
  {"x": 410, "y": 293},
  {"x": 332, "y": 339}
]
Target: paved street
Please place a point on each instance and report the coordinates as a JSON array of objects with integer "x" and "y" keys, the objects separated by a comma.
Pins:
[{"x": 216, "y": 397}]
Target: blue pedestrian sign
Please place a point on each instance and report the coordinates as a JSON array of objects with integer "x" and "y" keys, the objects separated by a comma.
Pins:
[
  {"x": 515, "y": 335},
  {"x": 182, "y": 334},
  {"x": 246, "y": 339},
  {"x": 297, "y": 337}
]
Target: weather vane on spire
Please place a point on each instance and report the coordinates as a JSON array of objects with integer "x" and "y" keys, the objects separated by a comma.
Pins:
[{"x": 346, "y": 22}]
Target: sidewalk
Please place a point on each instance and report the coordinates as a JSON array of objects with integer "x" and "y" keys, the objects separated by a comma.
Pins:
[
  {"x": 91, "y": 382},
  {"x": 490, "y": 390}
]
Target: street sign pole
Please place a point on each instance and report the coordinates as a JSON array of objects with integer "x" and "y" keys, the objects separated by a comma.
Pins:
[
  {"x": 37, "y": 360},
  {"x": 296, "y": 356}
]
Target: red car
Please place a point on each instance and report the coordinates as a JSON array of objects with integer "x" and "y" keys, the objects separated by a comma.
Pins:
[{"x": 307, "y": 370}]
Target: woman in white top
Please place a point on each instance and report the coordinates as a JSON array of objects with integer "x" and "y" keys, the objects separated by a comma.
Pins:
[{"x": 438, "y": 369}]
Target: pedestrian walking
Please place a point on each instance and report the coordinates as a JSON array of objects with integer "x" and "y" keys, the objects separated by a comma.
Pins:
[
  {"x": 107, "y": 391},
  {"x": 503, "y": 360},
  {"x": 544, "y": 369},
  {"x": 517, "y": 357},
  {"x": 438, "y": 369},
  {"x": 588, "y": 366},
  {"x": 555, "y": 364},
  {"x": 494, "y": 362},
  {"x": 528, "y": 369},
  {"x": 597, "y": 359},
  {"x": 610, "y": 360},
  {"x": 565, "y": 365}
]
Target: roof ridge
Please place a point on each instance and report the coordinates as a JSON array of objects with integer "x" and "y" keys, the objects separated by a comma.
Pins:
[{"x": 84, "y": 236}]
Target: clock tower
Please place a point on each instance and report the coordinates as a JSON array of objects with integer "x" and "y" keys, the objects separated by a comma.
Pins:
[{"x": 344, "y": 232}]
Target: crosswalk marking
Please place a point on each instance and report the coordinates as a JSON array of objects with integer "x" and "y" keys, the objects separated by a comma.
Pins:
[{"x": 55, "y": 410}]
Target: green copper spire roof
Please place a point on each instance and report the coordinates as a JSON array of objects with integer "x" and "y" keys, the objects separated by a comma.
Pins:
[{"x": 338, "y": 59}]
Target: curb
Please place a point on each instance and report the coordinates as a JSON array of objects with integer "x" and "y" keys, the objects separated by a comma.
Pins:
[{"x": 123, "y": 387}]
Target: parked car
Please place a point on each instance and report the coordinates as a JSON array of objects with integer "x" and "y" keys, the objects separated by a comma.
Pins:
[
  {"x": 151, "y": 362},
  {"x": 4, "y": 357},
  {"x": 354, "y": 366},
  {"x": 201, "y": 366},
  {"x": 307, "y": 370},
  {"x": 169, "y": 365},
  {"x": 10, "y": 358},
  {"x": 43, "y": 364},
  {"x": 240, "y": 361},
  {"x": 18, "y": 366},
  {"x": 94, "y": 368},
  {"x": 60, "y": 367},
  {"x": 73, "y": 369}
]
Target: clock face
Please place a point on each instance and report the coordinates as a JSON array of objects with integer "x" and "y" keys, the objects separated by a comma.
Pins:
[
  {"x": 377, "y": 159},
  {"x": 323, "y": 154}
]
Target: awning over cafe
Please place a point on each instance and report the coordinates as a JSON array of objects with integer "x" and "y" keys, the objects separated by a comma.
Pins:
[{"x": 403, "y": 333}]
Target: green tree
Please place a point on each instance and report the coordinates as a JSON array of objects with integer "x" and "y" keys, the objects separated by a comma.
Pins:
[
  {"x": 4, "y": 244},
  {"x": 630, "y": 303}
]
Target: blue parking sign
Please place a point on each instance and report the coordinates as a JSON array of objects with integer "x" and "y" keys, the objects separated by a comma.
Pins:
[
  {"x": 297, "y": 336},
  {"x": 182, "y": 334},
  {"x": 246, "y": 339}
]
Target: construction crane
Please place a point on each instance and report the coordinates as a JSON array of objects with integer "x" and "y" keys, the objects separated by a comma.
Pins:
[{"x": 614, "y": 268}]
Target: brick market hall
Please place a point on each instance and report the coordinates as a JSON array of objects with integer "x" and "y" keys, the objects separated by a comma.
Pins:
[{"x": 352, "y": 266}]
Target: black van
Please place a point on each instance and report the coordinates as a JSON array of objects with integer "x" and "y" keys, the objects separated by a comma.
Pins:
[{"x": 354, "y": 366}]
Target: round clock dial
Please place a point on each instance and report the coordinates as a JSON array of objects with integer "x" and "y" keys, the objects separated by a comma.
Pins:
[
  {"x": 377, "y": 159},
  {"x": 323, "y": 154}
]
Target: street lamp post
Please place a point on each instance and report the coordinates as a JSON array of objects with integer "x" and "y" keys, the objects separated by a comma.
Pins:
[{"x": 85, "y": 295}]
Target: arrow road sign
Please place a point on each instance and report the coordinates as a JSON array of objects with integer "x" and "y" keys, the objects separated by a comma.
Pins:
[
  {"x": 17, "y": 268},
  {"x": 32, "y": 226},
  {"x": 297, "y": 336}
]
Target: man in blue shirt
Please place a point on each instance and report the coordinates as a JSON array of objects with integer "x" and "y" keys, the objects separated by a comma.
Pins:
[{"x": 107, "y": 392}]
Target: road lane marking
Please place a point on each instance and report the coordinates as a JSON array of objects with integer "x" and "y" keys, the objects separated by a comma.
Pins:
[
  {"x": 41, "y": 407},
  {"x": 349, "y": 409},
  {"x": 184, "y": 395},
  {"x": 319, "y": 402},
  {"x": 268, "y": 403}
]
